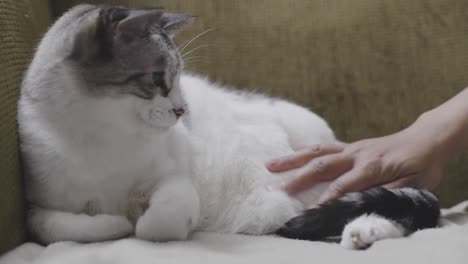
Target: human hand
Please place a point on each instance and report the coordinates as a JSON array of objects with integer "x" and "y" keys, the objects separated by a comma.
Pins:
[{"x": 413, "y": 157}]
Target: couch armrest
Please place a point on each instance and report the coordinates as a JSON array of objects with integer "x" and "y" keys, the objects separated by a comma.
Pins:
[{"x": 22, "y": 22}]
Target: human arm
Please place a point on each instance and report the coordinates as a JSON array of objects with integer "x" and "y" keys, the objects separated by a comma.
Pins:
[{"x": 414, "y": 157}]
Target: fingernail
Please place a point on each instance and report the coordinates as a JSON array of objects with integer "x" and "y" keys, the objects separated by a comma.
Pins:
[
  {"x": 283, "y": 186},
  {"x": 272, "y": 164}
]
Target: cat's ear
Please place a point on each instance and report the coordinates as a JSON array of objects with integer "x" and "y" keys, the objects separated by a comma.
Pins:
[
  {"x": 171, "y": 23},
  {"x": 95, "y": 38},
  {"x": 137, "y": 22},
  {"x": 96, "y": 35},
  {"x": 87, "y": 40}
]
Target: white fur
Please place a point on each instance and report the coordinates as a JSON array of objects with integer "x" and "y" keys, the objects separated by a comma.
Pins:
[
  {"x": 363, "y": 231},
  {"x": 233, "y": 136},
  {"x": 94, "y": 162},
  {"x": 229, "y": 136}
]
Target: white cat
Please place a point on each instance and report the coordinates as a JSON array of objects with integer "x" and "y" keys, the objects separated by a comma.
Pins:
[{"x": 117, "y": 141}]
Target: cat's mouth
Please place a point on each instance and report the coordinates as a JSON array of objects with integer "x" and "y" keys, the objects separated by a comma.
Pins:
[{"x": 162, "y": 119}]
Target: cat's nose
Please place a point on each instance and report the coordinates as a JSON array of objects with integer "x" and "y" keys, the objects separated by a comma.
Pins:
[{"x": 178, "y": 112}]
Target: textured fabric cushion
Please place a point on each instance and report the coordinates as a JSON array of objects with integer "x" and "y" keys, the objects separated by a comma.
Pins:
[
  {"x": 21, "y": 24},
  {"x": 370, "y": 67}
]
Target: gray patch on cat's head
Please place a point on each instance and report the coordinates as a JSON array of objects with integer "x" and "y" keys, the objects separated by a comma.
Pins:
[
  {"x": 109, "y": 61},
  {"x": 123, "y": 50}
]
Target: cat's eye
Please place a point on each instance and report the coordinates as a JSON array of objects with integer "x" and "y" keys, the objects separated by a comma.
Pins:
[{"x": 158, "y": 79}]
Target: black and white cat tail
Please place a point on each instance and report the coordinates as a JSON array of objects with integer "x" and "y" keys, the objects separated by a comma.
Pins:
[{"x": 362, "y": 218}]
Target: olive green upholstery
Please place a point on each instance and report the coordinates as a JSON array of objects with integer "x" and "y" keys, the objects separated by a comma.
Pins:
[
  {"x": 22, "y": 22},
  {"x": 370, "y": 67}
]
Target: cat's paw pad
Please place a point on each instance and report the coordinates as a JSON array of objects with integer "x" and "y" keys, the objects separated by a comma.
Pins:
[
  {"x": 362, "y": 232},
  {"x": 358, "y": 238}
]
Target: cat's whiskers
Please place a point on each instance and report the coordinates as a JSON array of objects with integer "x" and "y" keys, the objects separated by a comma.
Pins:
[
  {"x": 190, "y": 63},
  {"x": 193, "y": 61},
  {"x": 194, "y": 49},
  {"x": 195, "y": 57},
  {"x": 187, "y": 43}
]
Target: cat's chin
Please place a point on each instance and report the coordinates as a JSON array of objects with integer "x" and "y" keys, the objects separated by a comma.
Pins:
[
  {"x": 157, "y": 126},
  {"x": 156, "y": 121}
]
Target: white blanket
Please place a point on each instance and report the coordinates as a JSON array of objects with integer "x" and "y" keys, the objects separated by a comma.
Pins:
[{"x": 447, "y": 245}]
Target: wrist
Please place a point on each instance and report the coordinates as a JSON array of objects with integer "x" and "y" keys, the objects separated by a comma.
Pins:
[{"x": 443, "y": 131}]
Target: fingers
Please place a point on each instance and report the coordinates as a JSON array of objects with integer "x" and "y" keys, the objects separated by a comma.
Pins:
[
  {"x": 357, "y": 179},
  {"x": 301, "y": 157},
  {"x": 403, "y": 182},
  {"x": 321, "y": 169}
]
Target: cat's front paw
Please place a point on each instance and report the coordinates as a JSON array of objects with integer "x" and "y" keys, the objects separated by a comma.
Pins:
[
  {"x": 173, "y": 213},
  {"x": 362, "y": 232},
  {"x": 115, "y": 226},
  {"x": 165, "y": 224}
]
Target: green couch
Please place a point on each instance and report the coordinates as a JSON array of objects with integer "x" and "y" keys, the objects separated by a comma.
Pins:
[{"x": 370, "y": 67}]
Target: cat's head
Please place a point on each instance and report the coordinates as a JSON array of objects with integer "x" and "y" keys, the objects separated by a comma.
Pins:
[{"x": 121, "y": 54}]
